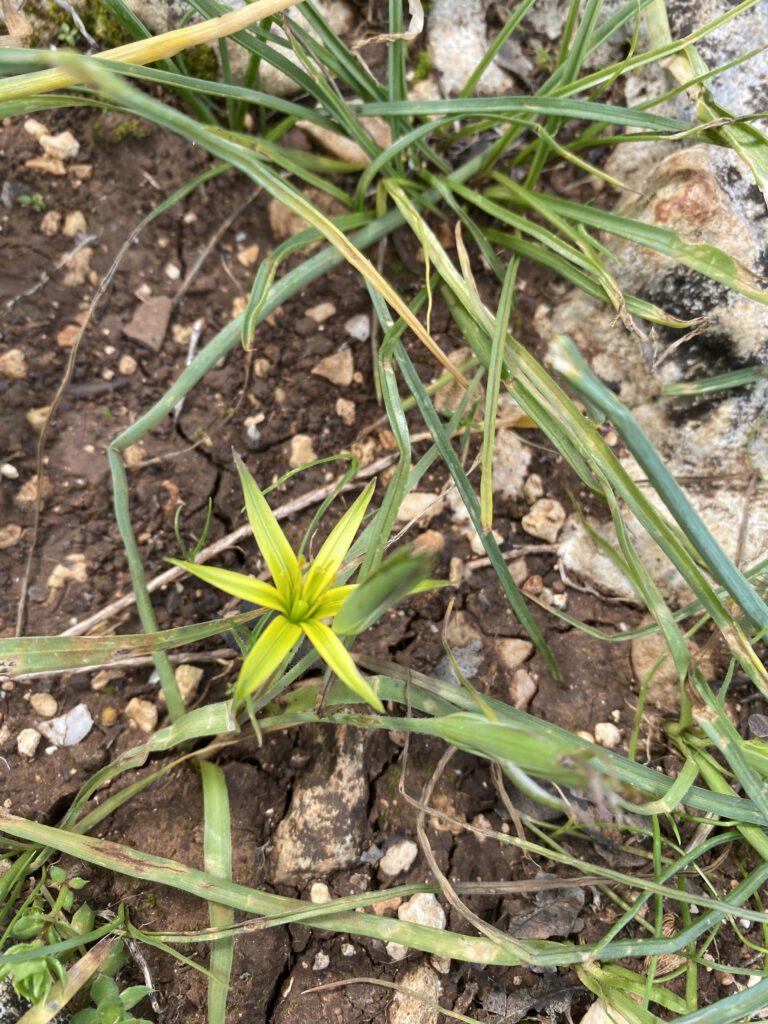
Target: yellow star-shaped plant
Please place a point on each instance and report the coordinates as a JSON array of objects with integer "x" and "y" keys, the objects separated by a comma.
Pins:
[{"x": 302, "y": 600}]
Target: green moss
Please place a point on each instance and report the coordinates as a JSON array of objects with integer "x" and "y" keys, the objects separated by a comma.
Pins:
[
  {"x": 201, "y": 62},
  {"x": 423, "y": 66},
  {"x": 103, "y": 25},
  {"x": 55, "y": 25},
  {"x": 112, "y": 128}
]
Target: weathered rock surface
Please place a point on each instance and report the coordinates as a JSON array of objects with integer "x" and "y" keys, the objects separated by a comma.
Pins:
[
  {"x": 712, "y": 442},
  {"x": 323, "y": 829},
  {"x": 458, "y": 40}
]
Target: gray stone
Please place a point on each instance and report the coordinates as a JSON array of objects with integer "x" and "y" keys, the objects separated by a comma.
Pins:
[
  {"x": 457, "y": 39},
  {"x": 407, "y": 1009}
]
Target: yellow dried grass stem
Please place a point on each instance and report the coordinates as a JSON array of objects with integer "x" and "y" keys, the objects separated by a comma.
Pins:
[{"x": 147, "y": 51}]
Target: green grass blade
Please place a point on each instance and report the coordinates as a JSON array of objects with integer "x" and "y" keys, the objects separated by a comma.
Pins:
[
  {"x": 443, "y": 444},
  {"x": 700, "y": 256},
  {"x": 571, "y": 365},
  {"x": 20, "y": 655},
  {"x": 492, "y": 388},
  {"x": 217, "y": 850}
]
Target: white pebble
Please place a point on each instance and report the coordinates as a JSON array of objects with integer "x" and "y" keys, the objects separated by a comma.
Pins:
[
  {"x": 27, "y": 742},
  {"x": 398, "y": 857},
  {"x": 70, "y": 728},
  {"x": 359, "y": 327},
  {"x": 607, "y": 735},
  {"x": 423, "y": 908},
  {"x": 321, "y": 961},
  {"x": 320, "y": 893}
]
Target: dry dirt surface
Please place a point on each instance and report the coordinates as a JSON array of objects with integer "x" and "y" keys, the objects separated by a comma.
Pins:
[{"x": 258, "y": 403}]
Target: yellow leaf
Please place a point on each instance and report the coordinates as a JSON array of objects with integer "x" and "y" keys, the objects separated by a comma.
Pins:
[
  {"x": 272, "y": 542},
  {"x": 327, "y": 563},
  {"x": 235, "y": 583},
  {"x": 335, "y": 654},
  {"x": 275, "y": 643}
]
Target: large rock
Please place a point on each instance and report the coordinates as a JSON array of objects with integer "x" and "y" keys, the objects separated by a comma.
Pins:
[
  {"x": 323, "y": 829},
  {"x": 707, "y": 195}
]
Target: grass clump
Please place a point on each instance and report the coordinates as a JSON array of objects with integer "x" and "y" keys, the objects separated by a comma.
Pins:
[{"x": 495, "y": 194}]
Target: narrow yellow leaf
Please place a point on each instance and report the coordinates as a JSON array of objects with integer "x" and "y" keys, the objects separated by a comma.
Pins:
[
  {"x": 335, "y": 654},
  {"x": 275, "y": 643},
  {"x": 235, "y": 583},
  {"x": 272, "y": 542},
  {"x": 332, "y": 600},
  {"x": 327, "y": 563}
]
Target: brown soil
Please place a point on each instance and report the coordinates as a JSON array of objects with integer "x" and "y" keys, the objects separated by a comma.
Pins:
[{"x": 131, "y": 172}]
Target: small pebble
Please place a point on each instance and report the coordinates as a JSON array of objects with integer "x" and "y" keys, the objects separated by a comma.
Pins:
[
  {"x": 301, "y": 451},
  {"x": 513, "y": 652},
  {"x": 67, "y": 336},
  {"x": 607, "y": 735},
  {"x": 421, "y": 506},
  {"x": 431, "y": 541},
  {"x": 172, "y": 271},
  {"x": 78, "y": 268},
  {"x": 249, "y": 256},
  {"x": 338, "y": 368},
  {"x": 50, "y": 223},
  {"x": 127, "y": 366},
  {"x": 35, "y": 128},
  {"x": 320, "y": 313},
  {"x": 142, "y": 714},
  {"x": 346, "y": 411},
  {"x": 62, "y": 146},
  {"x": 533, "y": 489},
  {"x": 74, "y": 224},
  {"x": 36, "y": 417},
  {"x": 398, "y": 858},
  {"x": 27, "y": 742},
  {"x": 188, "y": 680},
  {"x": 46, "y": 164},
  {"x": 44, "y": 704},
  {"x": 8, "y": 471},
  {"x": 522, "y": 689},
  {"x": 545, "y": 520},
  {"x": 13, "y": 364},
  {"x": 70, "y": 728},
  {"x": 319, "y": 893},
  {"x": 109, "y": 715},
  {"x": 359, "y": 327},
  {"x": 423, "y": 908},
  {"x": 347, "y": 949},
  {"x": 321, "y": 961}
]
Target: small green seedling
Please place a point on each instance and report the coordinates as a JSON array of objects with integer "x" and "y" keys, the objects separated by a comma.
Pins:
[
  {"x": 41, "y": 921},
  {"x": 111, "y": 1005},
  {"x": 301, "y": 600},
  {"x": 33, "y": 977},
  {"x": 304, "y": 600},
  {"x": 33, "y": 199}
]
